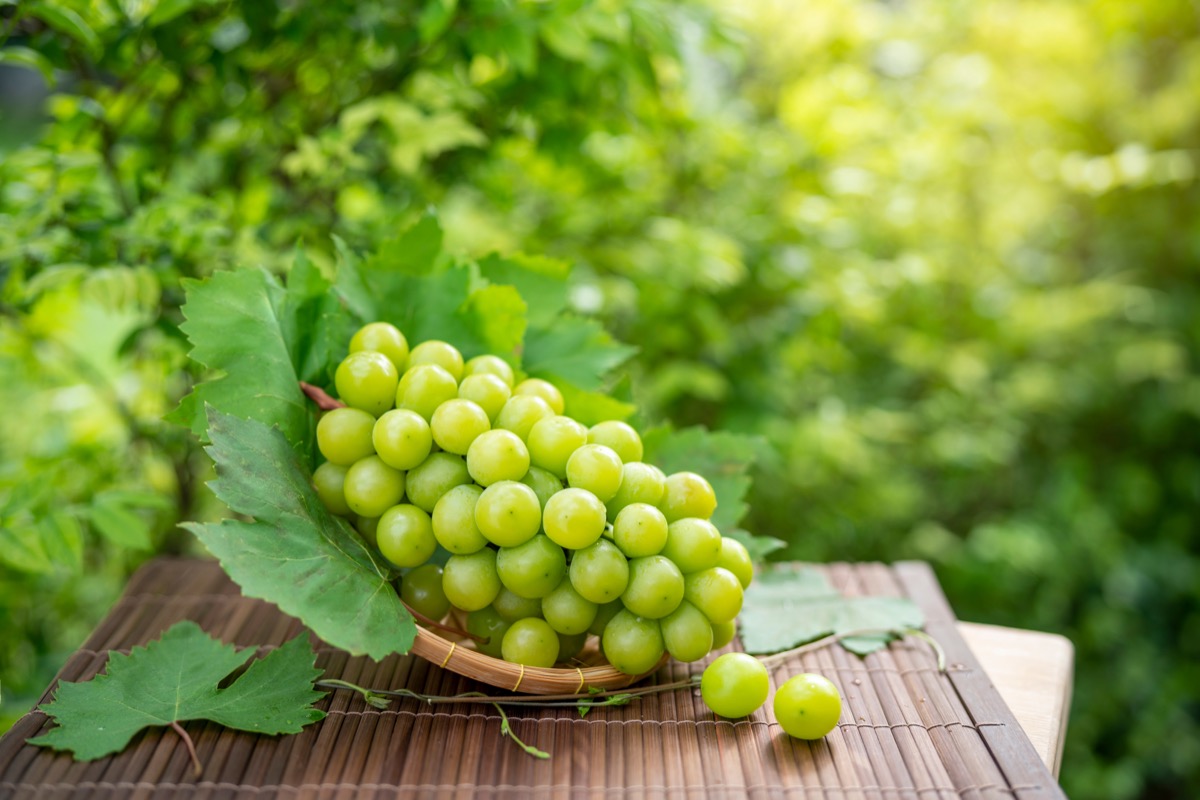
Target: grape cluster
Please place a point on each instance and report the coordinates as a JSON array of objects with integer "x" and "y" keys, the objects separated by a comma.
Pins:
[{"x": 555, "y": 530}]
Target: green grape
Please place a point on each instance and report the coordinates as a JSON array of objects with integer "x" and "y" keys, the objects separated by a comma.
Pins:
[
  {"x": 490, "y": 365},
  {"x": 686, "y": 494},
  {"x": 531, "y": 642},
  {"x": 489, "y": 626},
  {"x": 599, "y": 572},
  {"x": 736, "y": 558},
  {"x": 723, "y": 633},
  {"x": 574, "y": 518},
  {"x": 632, "y": 644},
  {"x": 440, "y": 354},
  {"x": 512, "y": 607},
  {"x": 596, "y": 468},
  {"x": 372, "y": 487},
  {"x": 716, "y": 592},
  {"x": 328, "y": 480},
  {"x": 604, "y": 612},
  {"x": 488, "y": 391},
  {"x": 640, "y": 483},
  {"x": 544, "y": 485},
  {"x": 567, "y": 610},
  {"x": 687, "y": 633},
  {"x": 521, "y": 413},
  {"x": 569, "y": 645},
  {"x": 456, "y": 424},
  {"x": 807, "y": 706},
  {"x": 508, "y": 513},
  {"x": 402, "y": 438},
  {"x": 344, "y": 435},
  {"x": 620, "y": 436},
  {"x": 367, "y": 380},
  {"x": 552, "y": 441},
  {"x": 543, "y": 389},
  {"x": 421, "y": 590},
  {"x": 425, "y": 387},
  {"x": 735, "y": 685},
  {"x": 693, "y": 544},
  {"x": 655, "y": 587},
  {"x": 433, "y": 477},
  {"x": 497, "y": 455},
  {"x": 454, "y": 520},
  {"x": 640, "y": 530},
  {"x": 405, "y": 536},
  {"x": 532, "y": 569},
  {"x": 366, "y": 527},
  {"x": 471, "y": 581},
  {"x": 382, "y": 337}
]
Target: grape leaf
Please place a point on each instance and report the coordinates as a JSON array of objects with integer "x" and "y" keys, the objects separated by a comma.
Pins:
[
  {"x": 541, "y": 281},
  {"x": 315, "y": 325},
  {"x": 296, "y": 554},
  {"x": 759, "y": 547},
  {"x": 724, "y": 459},
  {"x": 785, "y": 608},
  {"x": 575, "y": 349},
  {"x": 176, "y": 678}
]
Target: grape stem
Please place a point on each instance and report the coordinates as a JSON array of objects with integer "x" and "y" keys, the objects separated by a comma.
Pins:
[
  {"x": 775, "y": 659},
  {"x": 610, "y": 697},
  {"x": 320, "y": 397}
]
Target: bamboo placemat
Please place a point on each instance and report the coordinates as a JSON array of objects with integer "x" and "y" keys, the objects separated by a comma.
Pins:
[{"x": 906, "y": 730}]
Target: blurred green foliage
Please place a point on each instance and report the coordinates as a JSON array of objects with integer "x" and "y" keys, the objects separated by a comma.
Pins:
[{"x": 942, "y": 255}]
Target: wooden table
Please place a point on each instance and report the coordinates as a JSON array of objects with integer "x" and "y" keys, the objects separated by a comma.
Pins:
[{"x": 1033, "y": 672}]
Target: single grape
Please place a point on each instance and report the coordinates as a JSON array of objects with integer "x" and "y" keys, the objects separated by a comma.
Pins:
[
  {"x": 735, "y": 685},
  {"x": 382, "y": 337},
  {"x": 367, "y": 380},
  {"x": 736, "y": 558},
  {"x": 596, "y": 468},
  {"x": 488, "y": 391},
  {"x": 328, "y": 480},
  {"x": 807, "y": 706},
  {"x": 405, "y": 536},
  {"x": 512, "y": 607},
  {"x": 530, "y": 641},
  {"x": 366, "y": 527},
  {"x": 693, "y": 544},
  {"x": 489, "y": 365},
  {"x": 716, "y": 592},
  {"x": 423, "y": 388},
  {"x": 439, "y": 353},
  {"x": 567, "y": 610},
  {"x": 421, "y": 590},
  {"x": 456, "y": 424},
  {"x": 521, "y": 413},
  {"x": 544, "y": 485},
  {"x": 686, "y": 494},
  {"x": 552, "y": 441},
  {"x": 604, "y": 612},
  {"x": 433, "y": 477},
  {"x": 454, "y": 520},
  {"x": 471, "y": 581},
  {"x": 543, "y": 389},
  {"x": 632, "y": 644},
  {"x": 655, "y": 587},
  {"x": 344, "y": 435},
  {"x": 599, "y": 572},
  {"x": 640, "y": 483},
  {"x": 620, "y": 436},
  {"x": 532, "y": 569},
  {"x": 497, "y": 455},
  {"x": 402, "y": 438},
  {"x": 574, "y": 518},
  {"x": 687, "y": 633},
  {"x": 723, "y": 633},
  {"x": 508, "y": 513},
  {"x": 640, "y": 530},
  {"x": 372, "y": 487},
  {"x": 487, "y": 624}
]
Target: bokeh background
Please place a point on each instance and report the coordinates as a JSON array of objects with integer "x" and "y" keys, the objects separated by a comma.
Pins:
[{"x": 943, "y": 255}]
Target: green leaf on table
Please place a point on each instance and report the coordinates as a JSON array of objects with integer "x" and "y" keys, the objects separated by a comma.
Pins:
[
  {"x": 296, "y": 554},
  {"x": 177, "y": 678},
  {"x": 785, "y": 608},
  {"x": 724, "y": 459}
]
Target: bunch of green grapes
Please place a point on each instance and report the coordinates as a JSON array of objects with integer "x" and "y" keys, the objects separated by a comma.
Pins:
[{"x": 556, "y": 531}]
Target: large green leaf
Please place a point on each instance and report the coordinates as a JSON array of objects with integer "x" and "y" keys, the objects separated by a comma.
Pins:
[
  {"x": 724, "y": 459},
  {"x": 575, "y": 349},
  {"x": 295, "y": 553}
]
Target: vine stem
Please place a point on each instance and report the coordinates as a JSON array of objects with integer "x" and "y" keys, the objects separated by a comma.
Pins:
[
  {"x": 191, "y": 746},
  {"x": 772, "y": 661}
]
